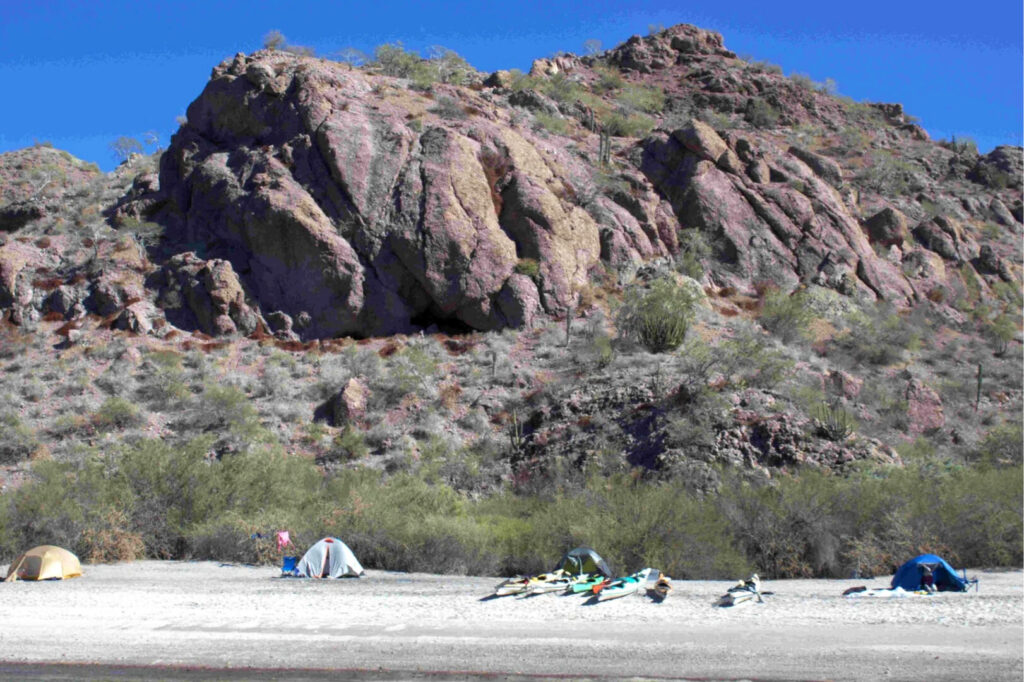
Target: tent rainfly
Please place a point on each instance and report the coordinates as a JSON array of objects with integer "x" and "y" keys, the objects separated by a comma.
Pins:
[
  {"x": 329, "y": 558},
  {"x": 908, "y": 576},
  {"x": 45, "y": 562},
  {"x": 584, "y": 560}
]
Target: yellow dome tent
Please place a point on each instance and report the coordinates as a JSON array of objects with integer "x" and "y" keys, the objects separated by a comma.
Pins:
[{"x": 45, "y": 562}]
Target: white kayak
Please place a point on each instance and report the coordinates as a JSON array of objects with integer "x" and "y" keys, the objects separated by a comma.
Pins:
[{"x": 624, "y": 586}]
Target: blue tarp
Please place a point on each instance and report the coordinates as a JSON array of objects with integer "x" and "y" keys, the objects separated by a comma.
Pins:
[{"x": 908, "y": 576}]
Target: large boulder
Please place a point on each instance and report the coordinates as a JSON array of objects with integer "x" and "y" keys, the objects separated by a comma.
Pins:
[
  {"x": 210, "y": 291},
  {"x": 924, "y": 408},
  {"x": 888, "y": 227},
  {"x": 824, "y": 167},
  {"x": 702, "y": 140}
]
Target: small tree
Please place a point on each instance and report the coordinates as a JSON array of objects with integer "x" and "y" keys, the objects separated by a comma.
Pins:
[
  {"x": 123, "y": 147},
  {"x": 274, "y": 40},
  {"x": 658, "y": 317},
  {"x": 152, "y": 140},
  {"x": 592, "y": 46},
  {"x": 450, "y": 67},
  {"x": 352, "y": 56}
]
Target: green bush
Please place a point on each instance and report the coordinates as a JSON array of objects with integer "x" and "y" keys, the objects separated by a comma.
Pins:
[
  {"x": 561, "y": 88},
  {"x": 693, "y": 248},
  {"x": 552, "y": 123},
  {"x": 1003, "y": 445},
  {"x": 641, "y": 98},
  {"x": 529, "y": 267},
  {"x": 392, "y": 59},
  {"x": 448, "y": 108},
  {"x": 880, "y": 336},
  {"x": 117, "y": 413},
  {"x": 658, "y": 317},
  {"x": 761, "y": 114},
  {"x": 17, "y": 441},
  {"x": 609, "y": 78},
  {"x": 627, "y": 125},
  {"x": 787, "y": 316}
]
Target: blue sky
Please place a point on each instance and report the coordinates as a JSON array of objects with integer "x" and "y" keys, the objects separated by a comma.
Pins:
[{"x": 80, "y": 74}]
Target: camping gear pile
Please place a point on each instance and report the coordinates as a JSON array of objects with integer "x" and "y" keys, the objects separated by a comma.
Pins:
[{"x": 583, "y": 571}]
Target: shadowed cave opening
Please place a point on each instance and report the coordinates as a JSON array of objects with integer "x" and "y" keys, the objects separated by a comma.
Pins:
[{"x": 430, "y": 322}]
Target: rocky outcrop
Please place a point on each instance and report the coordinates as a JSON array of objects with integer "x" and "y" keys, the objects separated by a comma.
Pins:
[
  {"x": 331, "y": 205},
  {"x": 207, "y": 291},
  {"x": 764, "y": 230},
  {"x": 675, "y": 45}
]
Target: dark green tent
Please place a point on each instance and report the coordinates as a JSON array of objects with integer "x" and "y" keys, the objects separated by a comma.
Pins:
[{"x": 584, "y": 560}]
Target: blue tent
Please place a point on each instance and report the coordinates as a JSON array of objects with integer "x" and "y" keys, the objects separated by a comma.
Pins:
[{"x": 908, "y": 576}]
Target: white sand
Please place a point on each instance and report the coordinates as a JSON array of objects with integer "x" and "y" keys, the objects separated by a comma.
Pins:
[{"x": 203, "y": 613}]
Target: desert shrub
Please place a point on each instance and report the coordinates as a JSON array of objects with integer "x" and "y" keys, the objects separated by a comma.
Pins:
[
  {"x": 552, "y": 123},
  {"x": 657, "y": 317},
  {"x": 715, "y": 119},
  {"x": 621, "y": 124},
  {"x": 1003, "y": 445},
  {"x": 693, "y": 248},
  {"x": 349, "y": 445},
  {"x": 520, "y": 81},
  {"x": 880, "y": 336},
  {"x": 561, "y": 88},
  {"x": 1001, "y": 332},
  {"x": 392, "y": 59},
  {"x": 609, "y": 78},
  {"x": 107, "y": 539},
  {"x": 448, "y": 108},
  {"x": 640, "y": 98},
  {"x": 749, "y": 359},
  {"x": 117, "y": 413},
  {"x": 803, "y": 81},
  {"x": 529, "y": 267},
  {"x": 787, "y": 316},
  {"x": 448, "y": 65},
  {"x": 761, "y": 114},
  {"x": 161, "y": 381},
  {"x": 226, "y": 413},
  {"x": 887, "y": 174},
  {"x": 17, "y": 440}
]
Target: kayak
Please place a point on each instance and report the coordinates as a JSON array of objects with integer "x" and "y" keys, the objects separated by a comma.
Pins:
[
  {"x": 743, "y": 592},
  {"x": 559, "y": 585},
  {"x": 521, "y": 584},
  {"x": 662, "y": 586},
  {"x": 513, "y": 585},
  {"x": 624, "y": 586},
  {"x": 586, "y": 583}
]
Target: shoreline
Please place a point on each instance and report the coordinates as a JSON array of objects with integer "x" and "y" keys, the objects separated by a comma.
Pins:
[{"x": 227, "y": 618}]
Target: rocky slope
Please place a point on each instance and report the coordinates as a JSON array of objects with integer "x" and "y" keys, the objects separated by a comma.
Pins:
[{"x": 306, "y": 200}]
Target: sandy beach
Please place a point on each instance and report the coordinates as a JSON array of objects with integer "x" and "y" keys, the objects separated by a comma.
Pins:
[{"x": 222, "y": 616}]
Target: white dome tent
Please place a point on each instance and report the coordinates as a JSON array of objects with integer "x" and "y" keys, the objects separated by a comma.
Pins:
[{"x": 329, "y": 558}]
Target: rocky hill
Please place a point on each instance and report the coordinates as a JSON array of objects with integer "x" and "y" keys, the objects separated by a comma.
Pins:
[{"x": 311, "y": 219}]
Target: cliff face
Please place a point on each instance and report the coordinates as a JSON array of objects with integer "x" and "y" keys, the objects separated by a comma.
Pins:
[
  {"x": 356, "y": 205},
  {"x": 362, "y": 207}
]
